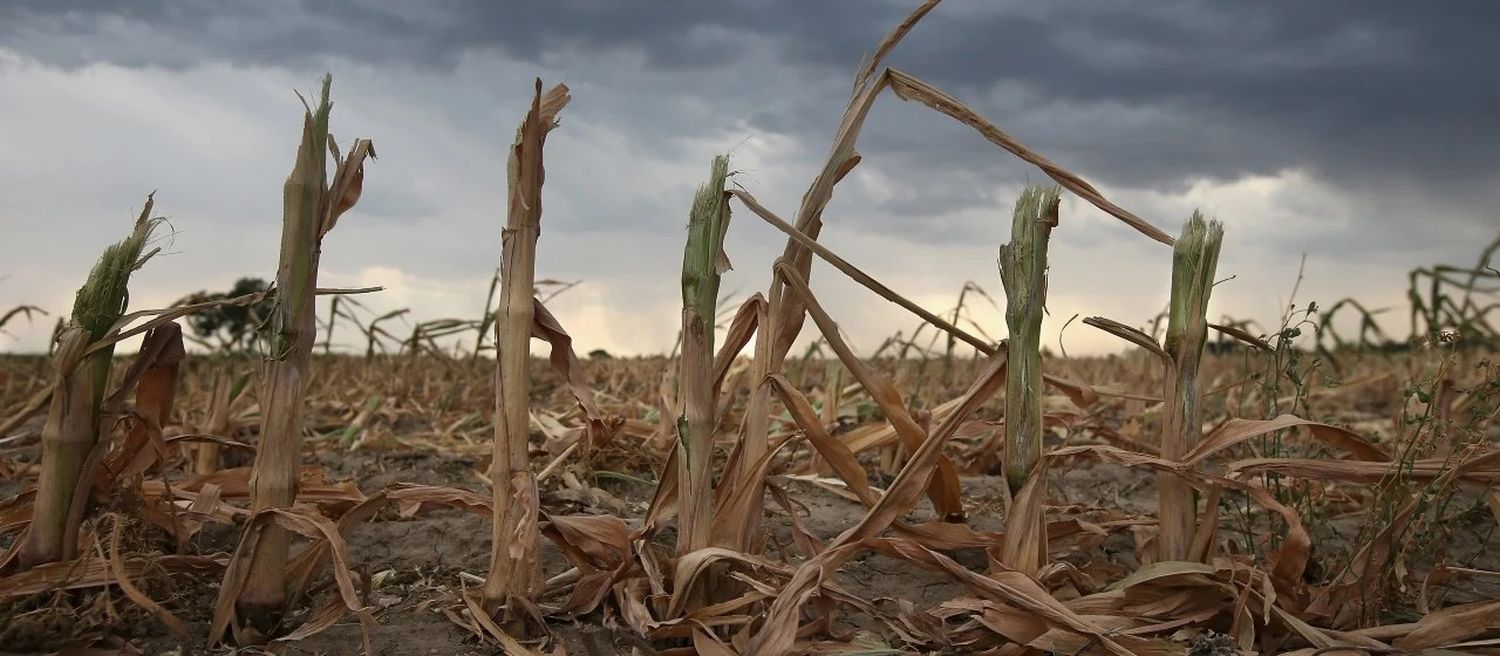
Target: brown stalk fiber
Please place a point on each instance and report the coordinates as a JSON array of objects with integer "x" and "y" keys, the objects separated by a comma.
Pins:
[
  {"x": 513, "y": 559},
  {"x": 311, "y": 207}
]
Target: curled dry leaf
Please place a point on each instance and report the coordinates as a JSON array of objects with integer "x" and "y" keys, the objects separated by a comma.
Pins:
[
  {"x": 565, "y": 362},
  {"x": 742, "y": 327},
  {"x": 1236, "y": 431},
  {"x": 308, "y": 525}
]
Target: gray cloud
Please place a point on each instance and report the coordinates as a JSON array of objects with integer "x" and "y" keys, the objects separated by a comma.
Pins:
[
  {"x": 1351, "y": 130},
  {"x": 1140, "y": 94}
]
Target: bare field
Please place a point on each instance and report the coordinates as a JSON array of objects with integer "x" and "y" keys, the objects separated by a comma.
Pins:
[{"x": 429, "y": 427}]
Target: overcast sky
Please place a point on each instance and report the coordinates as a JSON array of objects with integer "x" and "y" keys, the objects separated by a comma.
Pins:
[{"x": 1361, "y": 133}]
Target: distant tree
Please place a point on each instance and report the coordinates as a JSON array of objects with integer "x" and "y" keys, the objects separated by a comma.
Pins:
[{"x": 231, "y": 327}]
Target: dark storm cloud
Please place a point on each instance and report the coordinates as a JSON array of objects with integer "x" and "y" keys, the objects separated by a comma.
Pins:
[
  {"x": 1350, "y": 88},
  {"x": 1135, "y": 94},
  {"x": 436, "y": 33}
]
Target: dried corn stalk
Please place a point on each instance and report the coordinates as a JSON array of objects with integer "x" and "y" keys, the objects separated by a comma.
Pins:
[
  {"x": 786, "y": 316},
  {"x": 513, "y": 559},
  {"x": 311, "y": 207},
  {"x": 220, "y": 420}
]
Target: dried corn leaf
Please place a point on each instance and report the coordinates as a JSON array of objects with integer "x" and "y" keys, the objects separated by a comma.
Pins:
[
  {"x": 780, "y": 627},
  {"x": 839, "y": 457},
  {"x": 741, "y": 328},
  {"x": 1236, "y": 431},
  {"x": 943, "y": 488},
  {"x": 122, "y": 579},
  {"x": 348, "y": 181},
  {"x": 304, "y": 523},
  {"x": 907, "y": 87}
]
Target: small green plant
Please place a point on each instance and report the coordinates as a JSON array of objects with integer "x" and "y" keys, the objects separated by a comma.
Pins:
[{"x": 1409, "y": 525}]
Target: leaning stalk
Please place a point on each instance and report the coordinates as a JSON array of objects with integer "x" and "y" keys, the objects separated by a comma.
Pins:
[
  {"x": 1023, "y": 273},
  {"x": 1194, "y": 260}
]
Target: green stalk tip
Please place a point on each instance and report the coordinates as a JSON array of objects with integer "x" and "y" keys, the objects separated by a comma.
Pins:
[
  {"x": 101, "y": 300},
  {"x": 1023, "y": 273},
  {"x": 1195, "y": 258}
]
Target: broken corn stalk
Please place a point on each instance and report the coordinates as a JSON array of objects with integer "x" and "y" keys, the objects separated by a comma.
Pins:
[
  {"x": 73, "y": 423},
  {"x": 1195, "y": 258},
  {"x": 702, "y": 264},
  {"x": 514, "y": 569},
  {"x": 1023, "y": 272},
  {"x": 311, "y": 207}
]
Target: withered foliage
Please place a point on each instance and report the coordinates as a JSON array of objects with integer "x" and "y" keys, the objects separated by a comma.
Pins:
[{"x": 1302, "y": 510}]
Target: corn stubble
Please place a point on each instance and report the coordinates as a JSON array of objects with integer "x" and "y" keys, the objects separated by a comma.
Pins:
[
  {"x": 311, "y": 207},
  {"x": 1195, "y": 260},
  {"x": 702, "y": 264},
  {"x": 1023, "y": 273},
  {"x": 513, "y": 557},
  {"x": 74, "y": 422},
  {"x": 719, "y": 589}
]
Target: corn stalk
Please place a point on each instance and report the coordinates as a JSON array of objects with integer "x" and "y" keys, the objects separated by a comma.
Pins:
[
  {"x": 1023, "y": 272},
  {"x": 514, "y": 568},
  {"x": 72, "y": 430},
  {"x": 702, "y": 263},
  {"x": 1195, "y": 258},
  {"x": 311, "y": 207},
  {"x": 785, "y": 317},
  {"x": 206, "y": 455}
]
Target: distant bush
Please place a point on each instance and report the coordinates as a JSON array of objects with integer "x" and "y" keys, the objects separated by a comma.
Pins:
[{"x": 229, "y": 328}]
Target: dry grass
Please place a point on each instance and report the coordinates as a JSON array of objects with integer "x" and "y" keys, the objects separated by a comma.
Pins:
[{"x": 441, "y": 406}]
